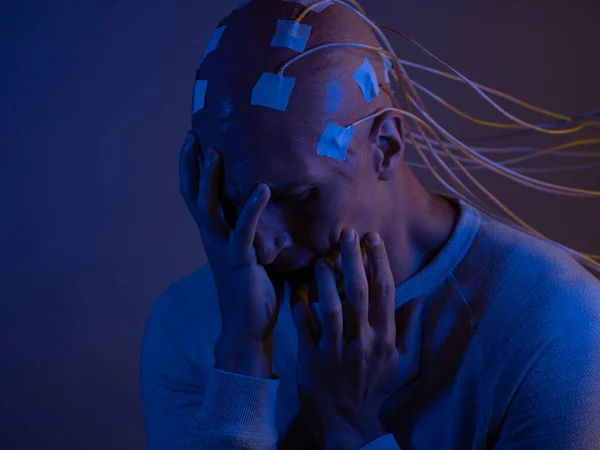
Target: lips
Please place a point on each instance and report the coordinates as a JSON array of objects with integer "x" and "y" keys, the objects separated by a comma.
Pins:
[{"x": 305, "y": 277}]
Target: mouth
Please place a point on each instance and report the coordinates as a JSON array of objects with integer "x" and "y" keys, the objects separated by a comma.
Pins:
[
  {"x": 298, "y": 269},
  {"x": 305, "y": 277}
]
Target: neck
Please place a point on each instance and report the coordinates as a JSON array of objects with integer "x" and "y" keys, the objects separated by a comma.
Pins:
[{"x": 417, "y": 228}]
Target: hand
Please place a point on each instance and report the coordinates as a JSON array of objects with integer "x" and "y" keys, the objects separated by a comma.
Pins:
[
  {"x": 249, "y": 298},
  {"x": 348, "y": 382}
]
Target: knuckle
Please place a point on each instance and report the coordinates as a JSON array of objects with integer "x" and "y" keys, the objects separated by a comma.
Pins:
[
  {"x": 383, "y": 348},
  {"x": 360, "y": 352},
  {"x": 384, "y": 288},
  {"x": 379, "y": 254},
  {"x": 352, "y": 250},
  {"x": 332, "y": 315},
  {"x": 358, "y": 290}
]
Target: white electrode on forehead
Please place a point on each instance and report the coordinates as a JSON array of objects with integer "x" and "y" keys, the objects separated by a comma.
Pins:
[
  {"x": 273, "y": 91},
  {"x": 366, "y": 78},
  {"x": 291, "y": 34},
  {"x": 213, "y": 42},
  {"x": 199, "y": 95},
  {"x": 310, "y": 2},
  {"x": 334, "y": 141}
]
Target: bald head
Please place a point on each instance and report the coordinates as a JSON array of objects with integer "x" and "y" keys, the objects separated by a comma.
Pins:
[
  {"x": 314, "y": 193},
  {"x": 324, "y": 91}
]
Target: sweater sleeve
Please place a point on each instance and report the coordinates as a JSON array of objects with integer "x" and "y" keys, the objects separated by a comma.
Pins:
[
  {"x": 188, "y": 404},
  {"x": 238, "y": 413}
]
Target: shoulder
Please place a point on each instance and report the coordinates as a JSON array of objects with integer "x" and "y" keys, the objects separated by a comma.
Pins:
[
  {"x": 535, "y": 308},
  {"x": 188, "y": 295},
  {"x": 513, "y": 277},
  {"x": 504, "y": 263},
  {"x": 183, "y": 324}
]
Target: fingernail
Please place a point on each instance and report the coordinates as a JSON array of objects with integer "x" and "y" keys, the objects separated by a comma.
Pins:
[
  {"x": 349, "y": 235},
  {"x": 373, "y": 239}
]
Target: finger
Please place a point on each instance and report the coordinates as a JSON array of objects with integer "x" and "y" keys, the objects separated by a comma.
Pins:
[
  {"x": 301, "y": 317},
  {"x": 211, "y": 216},
  {"x": 330, "y": 307},
  {"x": 189, "y": 172},
  {"x": 248, "y": 220},
  {"x": 356, "y": 286},
  {"x": 299, "y": 293},
  {"x": 382, "y": 298}
]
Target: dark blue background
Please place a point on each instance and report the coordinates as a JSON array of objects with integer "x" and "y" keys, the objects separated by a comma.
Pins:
[{"x": 95, "y": 102}]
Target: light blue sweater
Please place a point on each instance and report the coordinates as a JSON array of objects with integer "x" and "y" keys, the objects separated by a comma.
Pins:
[{"x": 510, "y": 358}]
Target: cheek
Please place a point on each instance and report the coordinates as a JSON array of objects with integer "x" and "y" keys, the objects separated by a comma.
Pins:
[
  {"x": 330, "y": 214},
  {"x": 344, "y": 207},
  {"x": 352, "y": 209}
]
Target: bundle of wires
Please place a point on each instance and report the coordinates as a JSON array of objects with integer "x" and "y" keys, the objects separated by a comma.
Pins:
[{"x": 431, "y": 140}]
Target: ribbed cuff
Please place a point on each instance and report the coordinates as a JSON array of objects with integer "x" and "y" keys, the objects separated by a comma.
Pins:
[
  {"x": 385, "y": 442},
  {"x": 235, "y": 403}
]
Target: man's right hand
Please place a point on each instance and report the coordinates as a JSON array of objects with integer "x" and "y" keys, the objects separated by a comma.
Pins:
[{"x": 249, "y": 298}]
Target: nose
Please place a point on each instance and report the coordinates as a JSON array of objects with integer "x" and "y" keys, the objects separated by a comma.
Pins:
[
  {"x": 271, "y": 238},
  {"x": 269, "y": 244}
]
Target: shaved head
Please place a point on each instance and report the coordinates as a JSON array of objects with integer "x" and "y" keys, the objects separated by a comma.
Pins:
[
  {"x": 324, "y": 90},
  {"x": 313, "y": 196}
]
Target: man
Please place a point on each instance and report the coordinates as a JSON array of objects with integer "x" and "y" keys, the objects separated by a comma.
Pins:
[{"x": 496, "y": 334}]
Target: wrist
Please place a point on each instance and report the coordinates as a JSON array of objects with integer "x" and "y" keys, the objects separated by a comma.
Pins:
[
  {"x": 243, "y": 356},
  {"x": 341, "y": 435}
]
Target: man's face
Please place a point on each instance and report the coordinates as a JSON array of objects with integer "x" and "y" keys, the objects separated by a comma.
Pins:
[{"x": 312, "y": 197}]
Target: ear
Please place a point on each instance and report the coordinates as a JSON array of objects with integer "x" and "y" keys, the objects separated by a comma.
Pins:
[{"x": 387, "y": 139}]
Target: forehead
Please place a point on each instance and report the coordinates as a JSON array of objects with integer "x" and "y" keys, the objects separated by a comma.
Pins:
[{"x": 276, "y": 156}]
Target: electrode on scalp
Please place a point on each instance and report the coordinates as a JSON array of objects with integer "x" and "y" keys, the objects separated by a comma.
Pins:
[
  {"x": 213, "y": 42},
  {"x": 273, "y": 91},
  {"x": 199, "y": 95},
  {"x": 366, "y": 78},
  {"x": 334, "y": 141},
  {"x": 291, "y": 34}
]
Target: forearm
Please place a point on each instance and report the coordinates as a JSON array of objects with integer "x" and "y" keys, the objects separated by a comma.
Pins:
[
  {"x": 244, "y": 356},
  {"x": 238, "y": 411}
]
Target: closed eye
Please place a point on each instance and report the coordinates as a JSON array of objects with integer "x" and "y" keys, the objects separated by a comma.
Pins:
[{"x": 305, "y": 195}]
